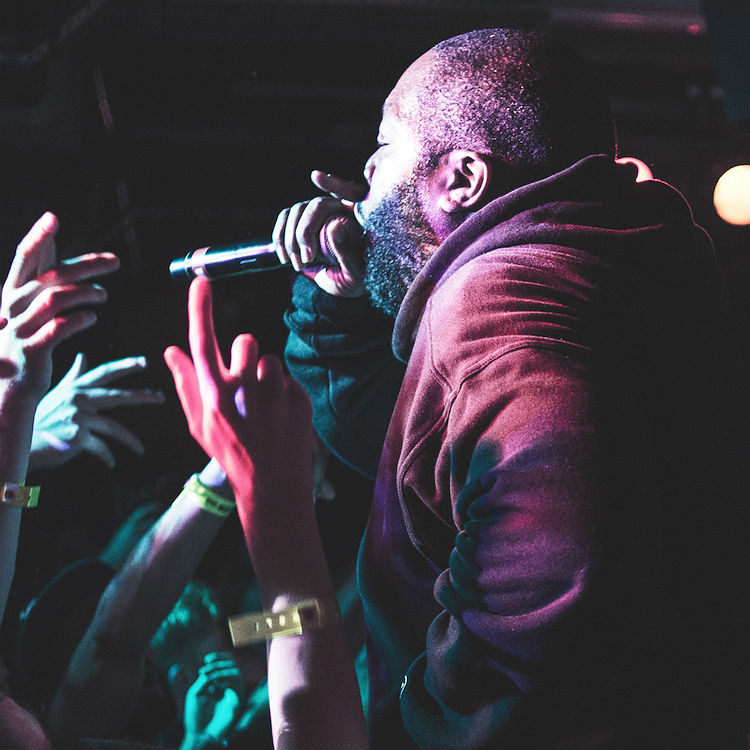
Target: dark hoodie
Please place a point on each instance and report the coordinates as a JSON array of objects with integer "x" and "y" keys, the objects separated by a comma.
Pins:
[{"x": 556, "y": 551}]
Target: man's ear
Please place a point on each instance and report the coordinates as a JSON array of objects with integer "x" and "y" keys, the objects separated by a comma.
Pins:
[{"x": 464, "y": 180}]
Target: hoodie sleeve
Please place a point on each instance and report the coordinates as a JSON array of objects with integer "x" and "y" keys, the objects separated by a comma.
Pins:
[{"x": 339, "y": 350}]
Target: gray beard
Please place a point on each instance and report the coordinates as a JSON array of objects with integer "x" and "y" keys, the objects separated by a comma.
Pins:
[{"x": 399, "y": 243}]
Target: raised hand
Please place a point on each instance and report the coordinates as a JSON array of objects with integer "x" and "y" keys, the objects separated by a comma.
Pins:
[
  {"x": 213, "y": 701},
  {"x": 255, "y": 420},
  {"x": 257, "y": 423},
  {"x": 41, "y": 301},
  {"x": 297, "y": 235},
  {"x": 40, "y": 306},
  {"x": 68, "y": 419}
]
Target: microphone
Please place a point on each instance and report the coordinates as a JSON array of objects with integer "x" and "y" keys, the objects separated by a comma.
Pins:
[{"x": 223, "y": 261}]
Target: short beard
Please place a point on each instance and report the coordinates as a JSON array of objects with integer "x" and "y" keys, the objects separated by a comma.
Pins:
[{"x": 399, "y": 243}]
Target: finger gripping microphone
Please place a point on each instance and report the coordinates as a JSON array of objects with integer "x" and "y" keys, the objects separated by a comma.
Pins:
[{"x": 222, "y": 261}]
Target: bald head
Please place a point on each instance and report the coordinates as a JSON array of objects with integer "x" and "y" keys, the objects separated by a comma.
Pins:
[{"x": 520, "y": 97}]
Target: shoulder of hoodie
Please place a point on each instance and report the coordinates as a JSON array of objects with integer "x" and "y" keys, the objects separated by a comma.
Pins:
[{"x": 508, "y": 300}]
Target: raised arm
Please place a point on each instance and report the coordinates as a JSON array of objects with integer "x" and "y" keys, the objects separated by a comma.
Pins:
[
  {"x": 42, "y": 304},
  {"x": 256, "y": 421},
  {"x": 99, "y": 690}
]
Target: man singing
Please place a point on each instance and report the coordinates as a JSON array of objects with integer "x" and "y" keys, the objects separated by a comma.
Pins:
[{"x": 530, "y": 352}]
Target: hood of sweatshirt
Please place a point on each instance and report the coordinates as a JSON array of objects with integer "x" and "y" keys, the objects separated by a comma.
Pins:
[{"x": 595, "y": 207}]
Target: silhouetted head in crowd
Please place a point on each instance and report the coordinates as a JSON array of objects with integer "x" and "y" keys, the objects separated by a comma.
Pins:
[{"x": 191, "y": 630}]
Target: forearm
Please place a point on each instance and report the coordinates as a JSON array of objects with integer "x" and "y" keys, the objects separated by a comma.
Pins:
[
  {"x": 313, "y": 692},
  {"x": 107, "y": 668},
  {"x": 153, "y": 577},
  {"x": 10, "y": 524},
  {"x": 311, "y": 676},
  {"x": 339, "y": 350},
  {"x": 15, "y": 440}
]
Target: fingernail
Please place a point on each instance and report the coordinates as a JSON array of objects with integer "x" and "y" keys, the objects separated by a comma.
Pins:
[{"x": 48, "y": 221}]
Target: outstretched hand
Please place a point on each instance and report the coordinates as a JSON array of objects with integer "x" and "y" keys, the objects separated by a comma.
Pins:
[
  {"x": 40, "y": 305},
  {"x": 68, "y": 419},
  {"x": 251, "y": 417}
]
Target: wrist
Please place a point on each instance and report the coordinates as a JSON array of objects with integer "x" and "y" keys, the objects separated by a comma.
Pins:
[
  {"x": 290, "y": 569},
  {"x": 289, "y": 616},
  {"x": 16, "y": 430},
  {"x": 214, "y": 477},
  {"x": 18, "y": 495},
  {"x": 206, "y": 498}
]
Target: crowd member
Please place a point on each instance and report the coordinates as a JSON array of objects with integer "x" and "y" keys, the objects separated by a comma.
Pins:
[
  {"x": 112, "y": 687},
  {"x": 534, "y": 351},
  {"x": 192, "y": 690},
  {"x": 44, "y": 302},
  {"x": 94, "y": 636},
  {"x": 256, "y": 423},
  {"x": 192, "y": 647}
]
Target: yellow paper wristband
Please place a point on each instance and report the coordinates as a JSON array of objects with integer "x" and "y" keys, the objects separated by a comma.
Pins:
[
  {"x": 311, "y": 614},
  {"x": 19, "y": 495},
  {"x": 207, "y": 498}
]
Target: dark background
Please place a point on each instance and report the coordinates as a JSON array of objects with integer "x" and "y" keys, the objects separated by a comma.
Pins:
[{"x": 152, "y": 127}]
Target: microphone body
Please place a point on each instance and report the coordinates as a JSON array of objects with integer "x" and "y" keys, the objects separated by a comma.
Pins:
[{"x": 223, "y": 261}]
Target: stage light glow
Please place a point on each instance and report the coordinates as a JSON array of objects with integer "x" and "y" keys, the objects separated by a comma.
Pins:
[
  {"x": 644, "y": 173},
  {"x": 732, "y": 195}
]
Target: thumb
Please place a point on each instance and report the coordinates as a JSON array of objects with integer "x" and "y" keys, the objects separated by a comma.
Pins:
[{"x": 345, "y": 190}]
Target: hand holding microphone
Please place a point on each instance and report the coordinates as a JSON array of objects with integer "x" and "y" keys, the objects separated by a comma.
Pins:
[
  {"x": 297, "y": 236},
  {"x": 321, "y": 238}
]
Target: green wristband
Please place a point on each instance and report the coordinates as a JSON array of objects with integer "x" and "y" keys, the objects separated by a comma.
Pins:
[{"x": 206, "y": 498}]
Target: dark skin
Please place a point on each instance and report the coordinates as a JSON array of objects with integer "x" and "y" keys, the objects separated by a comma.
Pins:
[{"x": 460, "y": 182}]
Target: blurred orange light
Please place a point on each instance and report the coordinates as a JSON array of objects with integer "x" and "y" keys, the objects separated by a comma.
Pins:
[
  {"x": 644, "y": 173},
  {"x": 732, "y": 195}
]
